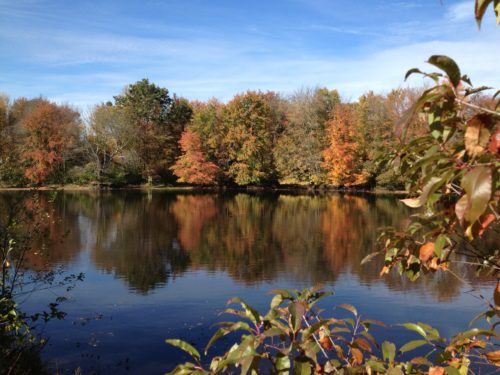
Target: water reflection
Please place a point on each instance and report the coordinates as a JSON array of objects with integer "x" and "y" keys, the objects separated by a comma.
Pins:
[{"x": 145, "y": 240}]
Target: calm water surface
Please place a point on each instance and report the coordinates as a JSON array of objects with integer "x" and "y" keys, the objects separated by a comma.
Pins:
[{"x": 163, "y": 265}]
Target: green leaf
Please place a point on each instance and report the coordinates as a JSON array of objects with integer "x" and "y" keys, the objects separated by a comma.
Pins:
[
  {"x": 430, "y": 187},
  {"x": 476, "y": 90},
  {"x": 243, "y": 350},
  {"x": 314, "y": 328},
  {"x": 412, "y": 71},
  {"x": 285, "y": 294},
  {"x": 415, "y": 327},
  {"x": 301, "y": 368},
  {"x": 223, "y": 331},
  {"x": 277, "y": 299},
  {"x": 487, "y": 314},
  {"x": 412, "y": 202},
  {"x": 394, "y": 371},
  {"x": 439, "y": 244},
  {"x": 448, "y": 65},
  {"x": 185, "y": 369},
  {"x": 282, "y": 363},
  {"x": 450, "y": 370},
  {"x": 388, "y": 351},
  {"x": 217, "y": 335},
  {"x": 274, "y": 331},
  {"x": 247, "y": 363},
  {"x": 250, "y": 312},
  {"x": 183, "y": 345},
  {"x": 477, "y": 184},
  {"x": 376, "y": 365},
  {"x": 474, "y": 332},
  {"x": 466, "y": 79},
  {"x": 297, "y": 311},
  {"x": 412, "y": 345}
]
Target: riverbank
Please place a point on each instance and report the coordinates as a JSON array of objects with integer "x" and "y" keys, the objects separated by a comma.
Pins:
[{"x": 283, "y": 188}]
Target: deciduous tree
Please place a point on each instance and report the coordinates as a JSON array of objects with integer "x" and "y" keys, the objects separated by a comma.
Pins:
[
  {"x": 248, "y": 122},
  {"x": 343, "y": 156},
  {"x": 192, "y": 166},
  {"x": 159, "y": 120},
  {"x": 298, "y": 151},
  {"x": 50, "y": 131},
  {"x": 110, "y": 139}
]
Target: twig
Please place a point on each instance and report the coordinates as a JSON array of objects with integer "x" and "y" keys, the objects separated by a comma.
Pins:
[
  {"x": 470, "y": 105},
  {"x": 315, "y": 338}
]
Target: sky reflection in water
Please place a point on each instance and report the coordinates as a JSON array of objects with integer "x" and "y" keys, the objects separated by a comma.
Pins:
[{"x": 163, "y": 265}]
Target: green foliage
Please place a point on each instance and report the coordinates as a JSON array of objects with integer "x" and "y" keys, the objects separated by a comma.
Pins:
[
  {"x": 159, "y": 121},
  {"x": 207, "y": 123},
  {"x": 257, "y": 138},
  {"x": 249, "y": 122},
  {"x": 145, "y": 102},
  {"x": 451, "y": 171},
  {"x": 298, "y": 151},
  {"x": 12, "y": 173},
  {"x": 111, "y": 141},
  {"x": 82, "y": 175},
  {"x": 293, "y": 337}
]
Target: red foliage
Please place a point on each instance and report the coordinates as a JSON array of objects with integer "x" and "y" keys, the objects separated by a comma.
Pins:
[
  {"x": 47, "y": 135},
  {"x": 192, "y": 166}
]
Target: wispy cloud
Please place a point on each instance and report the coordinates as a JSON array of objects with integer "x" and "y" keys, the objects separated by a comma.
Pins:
[
  {"x": 200, "y": 51},
  {"x": 343, "y": 30},
  {"x": 463, "y": 11}
]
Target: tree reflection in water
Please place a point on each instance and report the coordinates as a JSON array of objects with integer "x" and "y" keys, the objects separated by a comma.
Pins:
[{"x": 147, "y": 239}]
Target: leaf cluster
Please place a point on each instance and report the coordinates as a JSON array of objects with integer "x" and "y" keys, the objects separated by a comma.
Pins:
[{"x": 295, "y": 337}]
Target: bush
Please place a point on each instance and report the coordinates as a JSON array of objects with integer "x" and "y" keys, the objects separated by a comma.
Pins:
[
  {"x": 81, "y": 175},
  {"x": 12, "y": 173},
  {"x": 292, "y": 337}
]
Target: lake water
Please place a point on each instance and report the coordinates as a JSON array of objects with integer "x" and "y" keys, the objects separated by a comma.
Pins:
[{"x": 163, "y": 265}]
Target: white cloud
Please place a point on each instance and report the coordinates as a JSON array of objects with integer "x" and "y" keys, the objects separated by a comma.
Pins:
[
  {"x": 89, "y": 67},
  {"x": 463, "y": 11}
]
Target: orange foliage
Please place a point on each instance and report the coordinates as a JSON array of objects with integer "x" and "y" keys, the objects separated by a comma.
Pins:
[
  {"x": 343, "y": 156},
  {"x": 47, "y": 126},
  {"x": 192, "y": 166},
  {"x": 192, "y": 213}
]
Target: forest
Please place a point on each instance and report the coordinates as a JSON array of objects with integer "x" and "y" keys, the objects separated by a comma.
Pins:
[
  {"x": 439, "y": 143},
  {"x": 311, "y": 138}
]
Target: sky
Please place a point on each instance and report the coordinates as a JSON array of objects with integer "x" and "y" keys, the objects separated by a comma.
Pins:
[{"x": 83, "y": 52}]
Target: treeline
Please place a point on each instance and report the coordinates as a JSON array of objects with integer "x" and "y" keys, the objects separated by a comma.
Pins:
[{"x": 145, "y": 135}]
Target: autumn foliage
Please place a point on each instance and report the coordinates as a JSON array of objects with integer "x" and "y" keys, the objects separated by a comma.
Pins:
[
  {"x": 192, "y": 166},
  {"x": 343, "y": 157},
  {"x": 311, "y": 138},
  {"x": 50, "y": 132}
]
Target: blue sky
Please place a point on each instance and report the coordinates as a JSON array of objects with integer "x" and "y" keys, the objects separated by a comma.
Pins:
[{"x": 84, "y": 52}]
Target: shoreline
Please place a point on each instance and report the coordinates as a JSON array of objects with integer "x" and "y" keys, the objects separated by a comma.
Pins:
[{"x": 250, "y": 189}]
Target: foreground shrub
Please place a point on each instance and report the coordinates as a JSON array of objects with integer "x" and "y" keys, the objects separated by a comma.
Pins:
[{"x": 295, "y": 336}]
